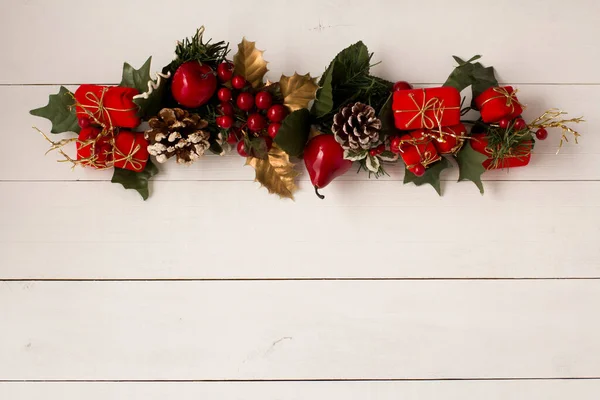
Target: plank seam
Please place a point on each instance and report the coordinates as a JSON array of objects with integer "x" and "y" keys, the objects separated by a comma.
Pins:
[
  {"x": 297, "y": 380},
  {"x": 574, "y": 278}
]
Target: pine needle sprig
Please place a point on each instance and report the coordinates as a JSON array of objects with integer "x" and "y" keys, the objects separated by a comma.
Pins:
[{"x": 195, "y": 49}]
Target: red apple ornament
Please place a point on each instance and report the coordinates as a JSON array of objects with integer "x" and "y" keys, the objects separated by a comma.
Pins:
[
  {"x": 193, "y": 84},
  {"x": 324, "y": 160}
]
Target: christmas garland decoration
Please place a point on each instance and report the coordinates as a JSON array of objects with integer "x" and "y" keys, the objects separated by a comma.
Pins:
[{"x": 203, "y": 101}]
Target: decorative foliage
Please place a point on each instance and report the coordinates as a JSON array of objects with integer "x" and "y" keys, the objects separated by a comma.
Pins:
[
  {"x": 60, "y": 110},
  {"x": 249, "y": 63},
  {"x": 293, "y": 134},
  {"x": 431, "y": 176},
  {"x": 470, "y": 164},
  {"x": 297, "y": 90},
  {"x": 276, "y": 173},
  {"x": 137, "y": 181}
]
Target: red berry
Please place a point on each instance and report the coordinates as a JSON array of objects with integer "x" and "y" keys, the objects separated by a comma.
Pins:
[
  {"x": 241, "y": 149},
  {"x": 418, "y": 170},
  {"x": 273, "y": 129},
  {"x": 373, "y": 152},
  {"x": 395, "y": 144},
  {"x": 224, "y": 121},
  {"x": 224, "y": 94},
  {"x": 380, "y": 149},
  {"x": 268, "y": 142},
  {"x": 256, "y": 122},
  {"x": 276, "y": 113},
  {"x": 263, "y": 100},
  {"x": 233, "y": 138},
  {"x": 503, "y": 123},
  {"x": 225, "y": 71},
  {"x": 541, "y": 134},
  {"x": 520, "y": 124},
  {"x": 401, "y": 85},
  {"x": 245, "y": 101},
  {"x": 238, "y": 82},
  {"x": 193, "y": 84},
  {"x": 225, "y": 108},
  {"x": 84, "y": 122}
]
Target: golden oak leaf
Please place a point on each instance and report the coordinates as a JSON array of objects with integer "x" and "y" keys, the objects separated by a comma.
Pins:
[
  {"x": 276, "y": 173},
  {"x": 249, "y": 63},
  {"x": 298, "y": 90}
]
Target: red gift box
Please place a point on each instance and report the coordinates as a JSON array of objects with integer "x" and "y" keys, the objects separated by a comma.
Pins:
[
  {"x": 498, "y": 103},
  {"x": 94, "y": 148},
  {"x": 521, "y": 154},
  {"x": 449, "y": 139},
  {"x": 417, "y": 148},
  {"x": 426, "y": 108},
  {"x": 131, "y": 151},
  {"x": 110, "y": 105}
]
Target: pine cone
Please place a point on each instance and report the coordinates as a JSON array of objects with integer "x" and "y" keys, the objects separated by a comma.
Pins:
[
  {"x": 176, "y": 132},
  {"x": 355, "y": 127}
]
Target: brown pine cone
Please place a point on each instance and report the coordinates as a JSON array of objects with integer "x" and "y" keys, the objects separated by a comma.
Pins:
[
  {"x": 176, "y": 132},
  {"x": 355, "y": 127}
]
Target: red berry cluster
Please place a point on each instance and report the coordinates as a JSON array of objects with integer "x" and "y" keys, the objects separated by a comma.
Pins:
[
  {"x": 244, "y": 110},
  {"x": 520, "y": 124}
]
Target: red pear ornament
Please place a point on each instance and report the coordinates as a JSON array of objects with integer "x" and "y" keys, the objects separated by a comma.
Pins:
[{"x": 324, "y": 160}]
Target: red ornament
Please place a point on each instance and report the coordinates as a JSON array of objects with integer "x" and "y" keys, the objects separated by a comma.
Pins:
[
  {"x": 225, "y": 71},
  {"x": 520, "y": 124},
  {"x": 224, "y": 121},
  {"x": 224, "y": 94},
  {"x": 273, "y": 129},
  {"x": 418, "y": 148},
  {"x": 238, "y": 82},
  {"x": 426, "y": 108},
  {"x": 541, "y": 134},
  {"x": 112, "y": 106},
  {"x": 83, "y": 122},
  {"x": 93, "y": 148},
  {"x": 498, "y": 103},
  {"x": 245, "y": 101},
  {"x": 232, "y": 138},
  {"x": 373, "y": 152},
  {"x": 401, "y": 85},
  {"x": 324, "y": 160},
  {"x": 503, "y": 123},
  {"x": 418, "y": 170},
  {"x": 263, "y": 100},
  {"x": 277, "y": 113},
  {"x": 449, "y": 139},
  {"x": 256, "y": 122},
  {"x": 241, "y": 149},
  {"x": 131, "y": 151},
  {"x": 225, "y": 108},
  {"x": 193, "y": 84},
  {"x": 521, "y": 154}
]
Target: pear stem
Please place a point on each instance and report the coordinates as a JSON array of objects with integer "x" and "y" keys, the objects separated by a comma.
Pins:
[{"x": 319, "y": 195}]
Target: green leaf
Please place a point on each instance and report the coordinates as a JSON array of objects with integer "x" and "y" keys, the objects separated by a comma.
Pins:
[
  {"x": 470, "y": 164},
  {"x": 293, "y": 134},
  {"x": 136, "y": 78},
  {"x": 135, "y": 180},
  {"x": 257, "y": 147},
  {"x": 431, "y": 176},
  {"x": 386, "y": 115},
  {"x": 149, "y": 107},
  {"x": 483, "y": 79},
  {"x": 324, "y": 99},
  {"x": 471, "y": 74},
  {"x": 60, "y": 111},
  {"x": 350, "y": 61}
]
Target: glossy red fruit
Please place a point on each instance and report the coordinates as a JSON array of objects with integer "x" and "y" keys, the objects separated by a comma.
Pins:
[
  {"x": 519, "y": 124},
  {"x": 276, "y": 113},
  {"x": 380, "y": 149},
  {"x": 84, "y": 122},
  {"x": 418, "y": 170},
  {"x": 225, "y": 71},
  {"x": 373, "y": 152},
  {"x": 232, "y": 137},
  {"x": 224, "y": 121},
  {"x": 395, "y": 144},
  {"x": 256, "y": 122},
  {"x": 324, "y": 160},
  {"x": 401, "y": 85},
  {"x": 541, "y": 134},
  {"x": 263, "y": 100},
  {"x": 273, "y": 129},
  {"x": 245, "y": 101},
  {"x": 224, "y": 94},
  {"x": 503, "y": 123},
  {"x": 225, "y": 108},
  {"x": 238, "y": 82},
  {"x": 241, "y": 149},
  {"x": 193, "y": 84}
]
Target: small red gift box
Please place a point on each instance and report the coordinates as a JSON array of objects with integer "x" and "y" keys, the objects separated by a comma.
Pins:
[
  {"x": 521, "y": 154},
  {"x": 449, "y": 139},
  {"x": 111, "y": 105},
  {"x": 93, "y": 148},
  {"x": 131, "y": 151},
  {"x": 497, "y": 103},
  {"x": 418, "y": 148},
  {"x": 426, "y": 108}
]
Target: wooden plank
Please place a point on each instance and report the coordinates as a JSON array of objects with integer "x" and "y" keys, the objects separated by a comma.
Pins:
[
  {"x": 96, "y": 230},
  {"x": 575, "y": 162},
  {"x": 299, "y": 330},
  {"x": 448, "y": 390},
  {"x": 534, "y": 45}
]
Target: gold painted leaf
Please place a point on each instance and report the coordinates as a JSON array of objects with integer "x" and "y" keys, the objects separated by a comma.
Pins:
[
  {"x": 249, "y": 63},
  {"x": 298, "y": 90},
  {"x": 276, "y": 173}
]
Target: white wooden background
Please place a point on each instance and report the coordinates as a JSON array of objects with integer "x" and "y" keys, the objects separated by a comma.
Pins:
[{"x": 213, "y": 289}]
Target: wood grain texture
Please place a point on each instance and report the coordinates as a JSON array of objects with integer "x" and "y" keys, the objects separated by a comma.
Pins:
[{"x": 299, "y": 330}]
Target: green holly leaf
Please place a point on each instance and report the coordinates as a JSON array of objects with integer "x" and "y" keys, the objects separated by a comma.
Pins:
[
  {"x": 60, "y": 111},
  {"x": 293, "y": 134},
  {"x": 474, "y": 74},
  {"x": 483, "y": 79},
  {"x": 431, "y": 176},
  {"x": 136, "y": 78},
  {"x": 135, "y": 180},
  {"x": 470, "y": 164}
]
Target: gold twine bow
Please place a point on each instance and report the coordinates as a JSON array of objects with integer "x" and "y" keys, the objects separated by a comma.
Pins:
[
  {"x": 435, "y": 105},
  {"x": 426, "y": 157},
  {"x": 136, "y": 163},
  {"x": 511, "y": 98},
  {"x": 98, "y": 104}
]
